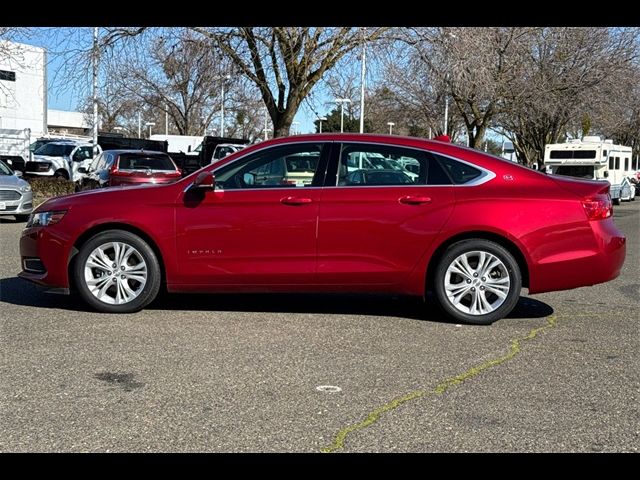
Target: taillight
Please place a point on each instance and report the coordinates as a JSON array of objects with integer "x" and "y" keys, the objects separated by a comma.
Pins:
[{"x": 598, "y": 208}]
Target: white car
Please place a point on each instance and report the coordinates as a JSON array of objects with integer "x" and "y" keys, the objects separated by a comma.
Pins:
[{"x": 61, "y": 159}]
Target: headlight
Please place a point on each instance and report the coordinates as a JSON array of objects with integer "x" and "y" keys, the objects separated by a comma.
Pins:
[
  {"x": 42, "y": 219},
  {"x": 25, "y": 188}
]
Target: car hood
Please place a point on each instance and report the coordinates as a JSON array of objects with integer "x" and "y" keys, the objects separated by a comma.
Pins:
[
  {"x": 126, "y": 195},
  {"x": 11, "y": 181},
  {"x": 44, "y": 158}
]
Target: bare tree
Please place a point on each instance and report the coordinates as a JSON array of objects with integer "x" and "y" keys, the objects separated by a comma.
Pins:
[
  {"x": 285, "y": 63},
  {"x": 565, "y": 74},
  {"x": 472, "y": 66},
  {"x": 178, "y": 75}
]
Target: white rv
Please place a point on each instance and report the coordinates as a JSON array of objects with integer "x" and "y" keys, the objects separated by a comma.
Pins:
[{"x": 594, "y": 159}]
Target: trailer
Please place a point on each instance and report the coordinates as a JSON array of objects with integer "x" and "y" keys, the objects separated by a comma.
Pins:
[
  {"x": 14, "y": 147},
  {"x": 595, "y": 159}
]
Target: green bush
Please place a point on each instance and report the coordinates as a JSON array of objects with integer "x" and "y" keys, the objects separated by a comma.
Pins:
[{"x": 46, "y": 187}]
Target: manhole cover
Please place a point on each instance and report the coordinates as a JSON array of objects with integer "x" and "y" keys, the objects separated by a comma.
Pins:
[{"x": 328, "y": 389}]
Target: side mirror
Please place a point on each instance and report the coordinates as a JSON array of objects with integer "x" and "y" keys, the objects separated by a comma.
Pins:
[
  {"x": 205, "y": 180},
  {"x": 82, "y": 170},
  {"x": 606, "y": 174},
  {"x": 17, "y": 173}
]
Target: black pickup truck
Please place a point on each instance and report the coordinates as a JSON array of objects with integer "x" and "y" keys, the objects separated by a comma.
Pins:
[{"x": 190, "y": 163}]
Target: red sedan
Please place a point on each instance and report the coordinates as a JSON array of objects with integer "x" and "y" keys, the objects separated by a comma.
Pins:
[{"x": 287, "y": 215}]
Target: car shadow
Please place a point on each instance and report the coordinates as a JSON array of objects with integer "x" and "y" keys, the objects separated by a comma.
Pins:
[
  {"x": 20, "y": 292},
  {"x": 10, "y": 219},
  {"x": 17, "y": 291}
]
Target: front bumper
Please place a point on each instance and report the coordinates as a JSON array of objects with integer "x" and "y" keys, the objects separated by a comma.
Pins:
[
  {"x": 53, "y": 252},
  {"x": 21, "y": 206}
]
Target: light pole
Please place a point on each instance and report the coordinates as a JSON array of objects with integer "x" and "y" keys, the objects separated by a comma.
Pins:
[
  {"x": 223, "y": 78},
  {"x": 266, "y": 117},
  {"x": 96, "y": 52},
  {"x": 391, "y": 124},
  {"x": 149, "y": 124},
  {"x": 446, "y": 114},
  {"x": 362, "y": 72},
  {"x": 166, "y": 120},
  {"x": 139, "y": 125},
  {"x": 342, "y": 101},
  {"x": 321, "y": 119}
]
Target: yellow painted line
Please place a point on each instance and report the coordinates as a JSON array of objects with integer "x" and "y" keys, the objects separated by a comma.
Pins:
[{"x": 514, "y": 349}]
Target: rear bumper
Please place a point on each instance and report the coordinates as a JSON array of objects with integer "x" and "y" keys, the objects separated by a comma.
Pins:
[{"x": 582, "y": 268}]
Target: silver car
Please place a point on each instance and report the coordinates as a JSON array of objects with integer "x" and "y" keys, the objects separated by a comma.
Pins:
[{"x": 16, "y": 197}]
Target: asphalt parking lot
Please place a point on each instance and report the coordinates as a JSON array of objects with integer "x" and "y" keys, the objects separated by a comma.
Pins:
[{"x": 240, "y": 373}]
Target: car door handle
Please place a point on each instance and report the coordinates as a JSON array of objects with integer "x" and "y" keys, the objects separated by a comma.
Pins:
[
  {"x": 414, "y": 200},
  {"x": 295, "y": 200}
]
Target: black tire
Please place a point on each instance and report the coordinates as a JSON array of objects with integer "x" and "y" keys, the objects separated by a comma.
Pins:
[
  {"x": 22, "y": 218},
  {"x": 510, "y": 267},
  {"x": 146, "y": 294},
  {"x": 616, "y": 201}
]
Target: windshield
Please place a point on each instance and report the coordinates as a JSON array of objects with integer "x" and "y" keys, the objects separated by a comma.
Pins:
[
  {"x": 579, "y": 171},
  {"x": 4, "y": 170},
  {"x": 55, "y": 149},
  {"x": 136, "y": 161}
]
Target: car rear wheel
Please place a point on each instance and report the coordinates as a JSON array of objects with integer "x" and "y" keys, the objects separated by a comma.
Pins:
[
  {"x": 117, "y": 272},
  {"x": 477, "y": 281}
]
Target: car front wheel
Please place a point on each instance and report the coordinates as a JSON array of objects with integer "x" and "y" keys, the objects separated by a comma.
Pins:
[
  {"x": 477, "y": 281},
  {"x": 117, "y": 272}
]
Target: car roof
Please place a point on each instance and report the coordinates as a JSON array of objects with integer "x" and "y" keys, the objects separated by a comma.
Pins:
[{"x": 67, "y": 142}]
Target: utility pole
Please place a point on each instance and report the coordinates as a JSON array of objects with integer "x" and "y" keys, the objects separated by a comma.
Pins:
[
  {"x": 139, "y": 125},
  {"x": 446, "y": 114},
  {"x": 95, "y": 91},
  {"x": 166, "y": 120},
  {"x": 362, "y": 86}
]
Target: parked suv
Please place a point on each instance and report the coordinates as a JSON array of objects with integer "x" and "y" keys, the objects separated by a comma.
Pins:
[
  {"x": 128, "y": 167},
  {"x": 61, "y": 159}
]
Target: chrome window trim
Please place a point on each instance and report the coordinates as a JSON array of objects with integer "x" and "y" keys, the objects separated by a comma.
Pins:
[{"x": 485, "y": 174}]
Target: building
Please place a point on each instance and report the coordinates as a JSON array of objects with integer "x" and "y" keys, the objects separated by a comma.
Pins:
[
  {"x": 23, "y": 88},
  {"x": 64, "y": 123}
]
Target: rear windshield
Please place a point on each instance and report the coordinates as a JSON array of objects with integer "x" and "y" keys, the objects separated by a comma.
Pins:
[
  {"x": 581, "y": 154},
  {"x": 55, "y": 150},
  {"x": 579, "y": 171},
  {"x": 136, "y": 161}
]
